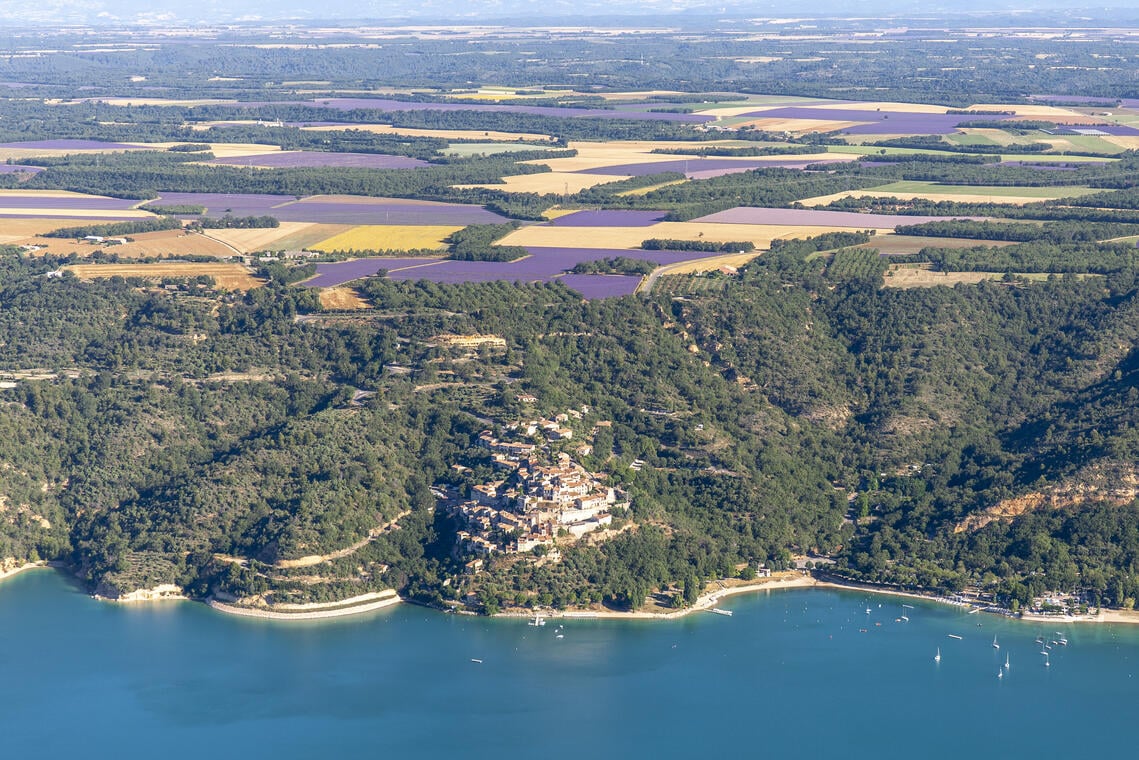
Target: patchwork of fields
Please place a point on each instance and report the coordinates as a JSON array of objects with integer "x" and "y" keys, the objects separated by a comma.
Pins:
[{"x": 330, "y": 223}]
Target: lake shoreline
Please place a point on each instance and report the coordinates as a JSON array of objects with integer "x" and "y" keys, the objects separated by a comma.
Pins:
[
  {"x": 373, "y": 601},
  {"x": 707, "y": 602},
  {"x": 14, "y": 571}
]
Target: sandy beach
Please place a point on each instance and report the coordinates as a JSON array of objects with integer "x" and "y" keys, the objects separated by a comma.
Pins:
[
  {"x": 7, "y": 572},
  {"x": 704, "y": 603},
  {"x": 314, "y": 611},
  {"x": 1130, "y": 617}
]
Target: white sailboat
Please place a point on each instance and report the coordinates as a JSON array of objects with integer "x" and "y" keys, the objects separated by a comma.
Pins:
[
  {"x": 937, "y": 657},
  {"x": 538, "y": 620},
  {"x": 1006, "y": 661},
  {"x": 995, "y": 644}
]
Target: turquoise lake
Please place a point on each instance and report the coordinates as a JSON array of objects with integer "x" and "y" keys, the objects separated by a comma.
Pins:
[{"x": 789, "y": 674}]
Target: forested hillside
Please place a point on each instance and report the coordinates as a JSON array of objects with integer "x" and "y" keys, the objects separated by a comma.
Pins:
[{"x": 210, "y": 440}]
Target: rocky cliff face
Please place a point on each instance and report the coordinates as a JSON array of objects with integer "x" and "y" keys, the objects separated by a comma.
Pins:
[{"x": 1111, "y": 482}]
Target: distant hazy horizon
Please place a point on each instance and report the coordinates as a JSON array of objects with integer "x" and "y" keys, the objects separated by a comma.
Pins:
[{"x": 158, "y": 12}]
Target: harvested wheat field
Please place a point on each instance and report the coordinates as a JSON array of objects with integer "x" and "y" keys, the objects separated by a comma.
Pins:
[
  {"x": 342, "y": 299},
  {"x": 549, "y": 183},
  {"x": 267, "y": 238},
  {"x": 630, "y": 238},
  {"x": 388, "y": 237},
  {"x": 164, "y": 243},
  {"x": 15, "y": 155},
  {"x": 554, "y": 212},
  {"x": 878, "y": 105},
  {"x": 220, "y": 150},
  {"x": 599, "y": 155},
  {"x": 22, "y": 230},
  {"x": 227, "y": 276},
  {"x": 710, "y": 264},
  {"x": 1047, "y": 113},
  {"x": 307, "y": 235},
  {"x": 446, "y": 134},
  {"x": 1127, "y": 142},
  {"x": 1014, "y": 196}
]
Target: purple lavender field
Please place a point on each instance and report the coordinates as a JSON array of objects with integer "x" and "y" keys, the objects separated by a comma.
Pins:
[
  {"x": 236, "y": 204},
  {"x": 308, "y": 158},
  {"x": 68, "y": 145},
  {"x": 817, "y": 217},
  {"x": 609, "y": 218},
  {"x": 19, "y": 169},
  {"x": 594, "y": 286},
  {"x": 333, "y": 209},
  {"x": 86, "y": 202},
  {"x": 703, "y": 167},
  {"x": 340, "y": 272},
  {"x": 882, "y": 123}
]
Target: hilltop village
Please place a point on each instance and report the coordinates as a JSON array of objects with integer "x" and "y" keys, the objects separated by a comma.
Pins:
[{"x": 542, "y": 499}]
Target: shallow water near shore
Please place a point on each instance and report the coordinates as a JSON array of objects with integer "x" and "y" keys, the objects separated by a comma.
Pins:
[{"x": 791, "y": 672}]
